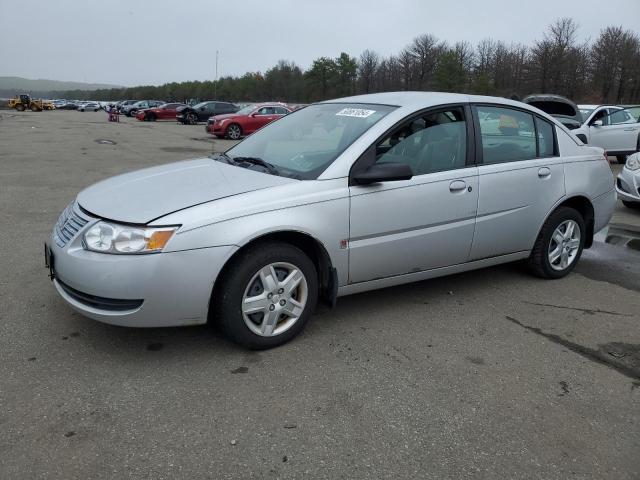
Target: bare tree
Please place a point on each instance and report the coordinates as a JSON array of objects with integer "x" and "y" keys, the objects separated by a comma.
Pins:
[{"x": 367, "y": 67}]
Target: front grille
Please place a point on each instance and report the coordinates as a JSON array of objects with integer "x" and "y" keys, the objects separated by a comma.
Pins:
[
  {"x": 68, "y": 225},
  {"x": 102, "y": 303}
]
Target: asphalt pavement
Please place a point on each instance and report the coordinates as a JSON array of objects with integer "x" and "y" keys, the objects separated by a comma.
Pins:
[{"x": 490, "y": 374}]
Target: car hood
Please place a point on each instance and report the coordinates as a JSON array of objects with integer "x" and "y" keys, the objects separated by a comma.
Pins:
[
  {"x": 225, "y": 116},
  {"x": 145, "y": 195}
]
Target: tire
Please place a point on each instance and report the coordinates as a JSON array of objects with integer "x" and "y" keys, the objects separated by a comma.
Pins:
[
  {"x": 34, "y": 108},
  {"x": 631, "y": 205},
  {"x": 20, "y": 107},
  {"x": 150, "y": 117},
  {"x": 540, "y": 261},
  {"x": 621, "y": 159},
  {"x": 243, "y": 276},
  {"x": 233, "y": 132},
  {"x": 192, "y": 119}
]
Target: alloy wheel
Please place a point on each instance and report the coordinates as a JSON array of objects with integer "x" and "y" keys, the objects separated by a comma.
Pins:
[
  {"x": 564, "y": 245},
  {"x": 274, "y": 299},
  {"x": 234, "y": 132}
]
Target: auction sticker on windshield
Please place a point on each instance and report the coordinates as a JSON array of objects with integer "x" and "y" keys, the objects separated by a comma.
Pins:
[{"x": 355, "y": 112}]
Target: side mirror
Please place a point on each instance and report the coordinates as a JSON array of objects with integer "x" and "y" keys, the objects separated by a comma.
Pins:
[
  {"x": 597, "y": 123},
  {"x": 383, "y": 172}
]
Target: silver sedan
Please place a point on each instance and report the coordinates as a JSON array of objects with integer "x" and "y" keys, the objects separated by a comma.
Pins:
[
  {"x": 336, "y": 198},
  {"x": 628, "y": 182}
]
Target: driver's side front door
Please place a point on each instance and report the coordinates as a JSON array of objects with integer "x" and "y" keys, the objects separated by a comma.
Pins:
[{"x": 407, "y": 226}]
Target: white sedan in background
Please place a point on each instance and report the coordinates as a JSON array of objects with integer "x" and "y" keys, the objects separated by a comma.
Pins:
[{"x": 610, "y": 127}]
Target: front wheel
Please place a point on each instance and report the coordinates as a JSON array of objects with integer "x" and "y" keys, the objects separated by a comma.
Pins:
[
  {"x": 267, "y": 295},
  {"x": 20, "y": 107},
  {"x": 559, "y": 244},
  {"x": 234, "y": 132},
  {"x": 192, "y": 119}
]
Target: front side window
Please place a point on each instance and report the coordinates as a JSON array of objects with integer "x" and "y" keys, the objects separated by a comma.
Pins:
[
  {"x": 507, "y": 135},
  {"x": 304, "y": 143},
  {"x": 281, "y": 111},
  {"x": 619, "y": 117},
  {"x": 433, "y": 142}
]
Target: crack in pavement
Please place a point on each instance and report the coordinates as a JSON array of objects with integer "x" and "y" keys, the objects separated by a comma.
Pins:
[
  {"x": 583, "y": 310},
  {"x": 588, "y": 353}
]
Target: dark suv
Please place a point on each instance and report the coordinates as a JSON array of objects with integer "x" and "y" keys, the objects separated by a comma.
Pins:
[{"x": 191, "y": 115}]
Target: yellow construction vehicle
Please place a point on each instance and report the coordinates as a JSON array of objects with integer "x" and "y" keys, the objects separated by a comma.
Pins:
[{"x": 25, "y": 102}]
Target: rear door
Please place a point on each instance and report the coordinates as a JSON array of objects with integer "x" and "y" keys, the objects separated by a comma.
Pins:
[
  {"x": 401, "y": 227},
  {"x": 521, "y": 177}
]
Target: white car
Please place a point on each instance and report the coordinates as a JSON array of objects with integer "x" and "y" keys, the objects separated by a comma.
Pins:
[
  {"x": 610, "y": 127},
  {"x": 89, "y": 107},
  {"x": 628, "y": 182}
]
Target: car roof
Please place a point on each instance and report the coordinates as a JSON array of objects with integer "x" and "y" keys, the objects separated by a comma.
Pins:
[{"x": 419, "y": 100}]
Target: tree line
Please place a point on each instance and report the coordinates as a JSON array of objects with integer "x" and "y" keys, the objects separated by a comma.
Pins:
[{"x": 605, "y": 70}]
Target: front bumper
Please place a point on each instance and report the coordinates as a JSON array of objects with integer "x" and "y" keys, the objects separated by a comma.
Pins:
[
  {"x": 153, "y": 290},
  {"x": 628, "y": 185}
]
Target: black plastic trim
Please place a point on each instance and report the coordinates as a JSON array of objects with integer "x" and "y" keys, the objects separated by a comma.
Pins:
[{"x": 102, "y": 303}]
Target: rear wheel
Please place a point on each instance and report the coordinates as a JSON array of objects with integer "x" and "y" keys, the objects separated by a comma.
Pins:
[
  {"x": 34, "y": 108},
  {"x": 559, "y": 244},
  {"x": 20, "y": 107},
  {"x": 267, "y": 295},
  {"x": 234, "y": 132}
]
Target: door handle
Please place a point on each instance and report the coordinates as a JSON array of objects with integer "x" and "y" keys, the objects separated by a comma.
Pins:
[
  {"x": 544, "y": 172},
  {"x": 630, "y": 129},
  {"x": 457, "y": 186}
]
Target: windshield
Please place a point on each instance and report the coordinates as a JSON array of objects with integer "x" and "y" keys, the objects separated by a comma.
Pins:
[
  {"x": 304, "y": 143},
  {"x": 585, "y": 112},
  {"x": 246, "y": 110}
]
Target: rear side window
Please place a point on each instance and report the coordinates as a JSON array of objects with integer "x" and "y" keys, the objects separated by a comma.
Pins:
[
  {"x": 507, "y": 135},
  {"x": 546, "y": 140}
]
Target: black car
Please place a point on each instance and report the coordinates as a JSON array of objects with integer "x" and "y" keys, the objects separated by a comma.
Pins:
[
  {"x": 67, "y": 106},
  {"x": 191, "y": 115}
]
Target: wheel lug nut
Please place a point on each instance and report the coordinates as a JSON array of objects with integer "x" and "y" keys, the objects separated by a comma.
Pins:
[
  {"x": 281, "y": 290},
  {"x": 270, "y": 295},
  {"x": 283, "y": 303},
  {"x": 272, "y": 307}
]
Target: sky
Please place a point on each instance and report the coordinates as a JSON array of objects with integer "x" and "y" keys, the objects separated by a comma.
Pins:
[{"x": 150, "y": 42}]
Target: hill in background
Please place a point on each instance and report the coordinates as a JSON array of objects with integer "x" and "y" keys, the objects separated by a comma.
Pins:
[{"x": 10, "y": 86}]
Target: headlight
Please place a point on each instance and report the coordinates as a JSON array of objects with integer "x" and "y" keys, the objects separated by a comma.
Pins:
[
  {"x": 111, "y": 238},
  {"x": 222, "y": 122},
  {"x": 633, "y": 163}
]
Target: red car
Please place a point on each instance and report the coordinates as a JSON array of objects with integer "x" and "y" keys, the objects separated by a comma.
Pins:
[
  {"x": 246, "y": 121},
  {"x": 166, "y": 111}
]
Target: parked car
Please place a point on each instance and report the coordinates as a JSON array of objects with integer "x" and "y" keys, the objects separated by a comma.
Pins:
[
  {"x": 166, "y": 111},
  {"x": 337, "y": 198},
  {"x": 628, "y": 182},
  {"x": 132, "y": 109},
  {"x": 558, "y": 107},
  {"x": 67, "y": 105},
  {"x": 125, "y": 103},
  {"x": 245, "y": 121},
  {"x": 191, "y": 115},
  {"x": 612, "y": 128},
  {"x": 89, "y": 107}
]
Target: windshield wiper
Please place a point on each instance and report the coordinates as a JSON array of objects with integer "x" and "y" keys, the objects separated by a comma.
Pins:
[
  {"x": 271, "y": 168},
  {"x": 223, "y": 156}
]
